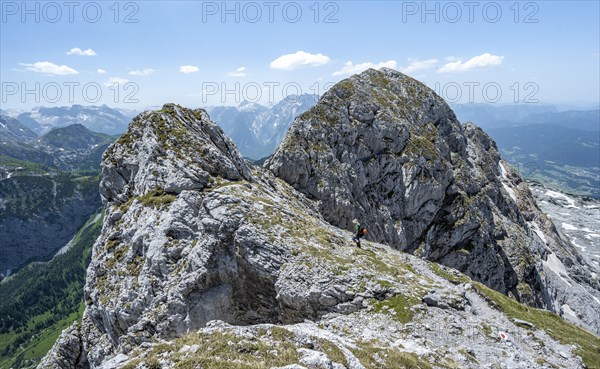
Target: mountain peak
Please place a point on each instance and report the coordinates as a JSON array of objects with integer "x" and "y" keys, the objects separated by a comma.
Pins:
[
  {"x": 74, "y": 128},
  {"x": 251, "y": 106},
  {"x": 196, "y": 247},
  {"x": 383, "y": 148},
  {"x": 13, "y": 130},
  {"x": 392, "y": 93},
  {"x": 191, "y": 150},
  {"x": 74, "y": 137},
  {"x": 98, "y": 119}
]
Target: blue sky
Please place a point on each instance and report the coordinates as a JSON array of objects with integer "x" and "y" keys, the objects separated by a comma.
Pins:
[{"x": 198, "y": 53}]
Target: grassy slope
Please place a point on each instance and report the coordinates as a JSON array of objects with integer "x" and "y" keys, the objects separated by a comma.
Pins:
[
  {"x": 26, "y": 165},
  {"x": 587, "y": 344}
]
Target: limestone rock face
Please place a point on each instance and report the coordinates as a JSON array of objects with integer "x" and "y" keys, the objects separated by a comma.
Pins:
[
  {"x": 172, "y": 150},
  {"x": 383, "y": 148},
  {"x": 68, "y": 351},
  {"x": 205, "y": 261}
]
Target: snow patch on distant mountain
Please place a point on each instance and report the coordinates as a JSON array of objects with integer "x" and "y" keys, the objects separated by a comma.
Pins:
[
  {"x": 569, "y": 227},
  {"x": 101, "y": 119},
  {"x": 555, "y": 265},
  {"x": 576, "y": 217},
  {"x": 561, "y": 196}
]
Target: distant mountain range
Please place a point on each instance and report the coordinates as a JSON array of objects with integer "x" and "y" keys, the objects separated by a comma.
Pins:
[
  {"x": 257, "y": 130},
  {"x": 100, "y": 119},
  {"x": 549, "y": 143},
  {"x": 48, "y": 188},
  {"x": 12, "y": 130},
  {"x": 561, "y": 149},
  {"x": 491, "y": 116},
  {"x": 74, "y": 137},
  {"x": 73, "y": 147}
]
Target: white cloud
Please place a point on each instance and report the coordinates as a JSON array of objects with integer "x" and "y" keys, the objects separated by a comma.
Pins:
[
  {"x": 416, "y": 65},
  {"x": 299, "y": 60},
  {"x": 188, "y": 69},
  {"x": 350, "y": 68},
  {"x": 118, "y": 80},
  {"x": 101, "y": 71},
  {"x": 482, "y": 61},
  {"x": 145, "y": 72},
  {"x": 49, "y": 68},
  {"x": 240, "y": 72},
  {"x": 78, "y": 51}
]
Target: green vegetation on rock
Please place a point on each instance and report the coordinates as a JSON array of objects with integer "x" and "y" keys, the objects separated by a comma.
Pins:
[
  {"x": 371, "y": 356},
  {"x": 157, "y": 198},
  {"x": 23, "y": 196},
  {"x": 45, "y": 299},
  {"x": 587, "y": 344},
  {"x": 398, "y": 306},
  {"x": 220, "y": 350}
]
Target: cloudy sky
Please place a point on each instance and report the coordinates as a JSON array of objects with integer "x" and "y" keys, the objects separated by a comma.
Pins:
[{"x": 145, "y": 53}]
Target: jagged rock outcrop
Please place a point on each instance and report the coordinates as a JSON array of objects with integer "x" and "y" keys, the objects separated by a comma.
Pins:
[
  {"x": 68, "y": 352},
  {"x": 383, "y": 148},
  {"x": 204, "y": 261}
]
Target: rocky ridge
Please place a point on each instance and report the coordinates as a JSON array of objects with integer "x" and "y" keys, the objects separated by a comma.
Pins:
[
  {"x": 205, "y": 261},
  {"x": 384, "y": 148}
]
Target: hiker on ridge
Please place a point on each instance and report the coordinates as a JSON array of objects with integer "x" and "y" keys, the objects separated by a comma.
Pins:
[{"x": 360, "y": 232}]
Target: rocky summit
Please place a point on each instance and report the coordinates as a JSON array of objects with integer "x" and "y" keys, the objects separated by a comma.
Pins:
[
  {"x": 205, "y": 261},
  {"x": 383, "y": 148}
]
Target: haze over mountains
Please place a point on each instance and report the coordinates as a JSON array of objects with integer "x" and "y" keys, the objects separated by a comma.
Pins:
[
  {"x": 498, "y": 115},
  {"x": 101, "y": 119},
  {"x": 257, "y": 130},
  {"x": 559, "y": 148}
]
